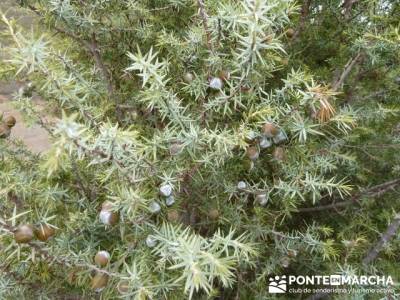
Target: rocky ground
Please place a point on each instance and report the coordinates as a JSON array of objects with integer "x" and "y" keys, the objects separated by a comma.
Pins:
[{"x": 35, "y": 137}]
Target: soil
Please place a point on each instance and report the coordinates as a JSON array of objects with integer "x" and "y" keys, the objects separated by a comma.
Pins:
[{"x": 35, "y": 137}]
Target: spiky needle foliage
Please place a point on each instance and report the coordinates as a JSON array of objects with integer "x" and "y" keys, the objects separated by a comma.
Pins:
[{"x": 166, "y": 98}]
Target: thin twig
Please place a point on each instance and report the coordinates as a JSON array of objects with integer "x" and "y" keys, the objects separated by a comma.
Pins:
[
  {"x": 346, "y": 71},
  {"x": 54, "y": 259},
  {"x": 93, "y": 49},
  {"x": 204, "y": 17},
  {"x": 120, "y": 164},
  {"x": 86, "y": 191},
  {"x": 386, "y": 237},
  {"x": 305, "y": 9},
  {"x": 347, "y": 5},
  {"x": 374, "y": 191}
]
